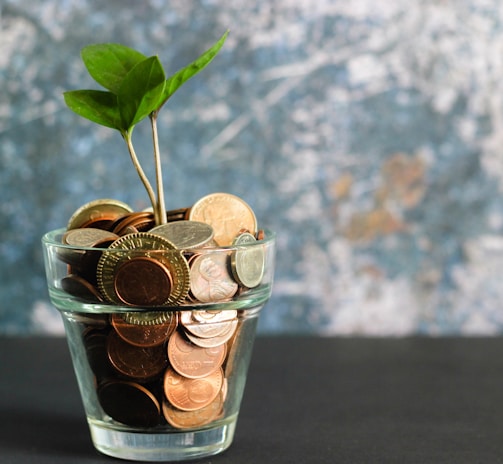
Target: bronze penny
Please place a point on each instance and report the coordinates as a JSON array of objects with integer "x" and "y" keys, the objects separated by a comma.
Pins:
[
  {"x": 142, "y": 281},
  {"x": 192, "y": 394},
  {"x": 226, "y": 213},
  {"x": 139, "y": 363},
  {"x": 129, "y": 403},
  {"x": 193, "y": 361},
  {"x": 139, "y": 221},
  {"x": 190, "y": 419},
  {"x": 80, "y": 287},
  {"x": 210, "y": 280},
  {"x": 145, "y": 335}
]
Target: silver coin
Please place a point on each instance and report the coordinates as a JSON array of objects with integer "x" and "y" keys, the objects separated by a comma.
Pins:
[{"x": 185, "y": 234}]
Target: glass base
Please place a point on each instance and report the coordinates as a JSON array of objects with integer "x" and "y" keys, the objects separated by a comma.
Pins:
[{"x": 172, "y": 446}]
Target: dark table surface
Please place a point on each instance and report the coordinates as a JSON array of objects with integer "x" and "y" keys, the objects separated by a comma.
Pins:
[{"x": 307, "y": 400}]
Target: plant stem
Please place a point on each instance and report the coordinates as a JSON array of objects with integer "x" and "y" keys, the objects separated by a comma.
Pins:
[
  {"x": 150, "y": 191},
  {"x": 161, "y": 209}
]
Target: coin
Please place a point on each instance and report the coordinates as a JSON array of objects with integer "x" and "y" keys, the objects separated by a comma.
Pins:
[
  {"x": 185, "y": 234},
  {"x": 88, "y": 237},
  {"x": 142, "y": 281},
  {"x": 145, "y": 245},
  {"x": 210, "y": 280},
  {"x": 192, "y": 394},
  {"x": 190, "y": 419},
  {"x": 226, "y": 213},
  {"x": 191, "y": 360},
  {"x": 207, "y": 329},
  {"x": 139, "y": 221},
  {"x": 129, "y": 403},
  {"x": 139, "y": 363},
  {"x": 146, "y": 335},
  {"x": 78, "y": 286},
  {"x": 247, "y": 262},
  {"x": 228, "y": 329},
  {"x": 97, "y": 212}
]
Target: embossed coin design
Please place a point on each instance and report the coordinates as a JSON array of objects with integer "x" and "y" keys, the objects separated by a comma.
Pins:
[
  {"x": 217, "y": 340},
  {"x": 248, "y": 263},
  {"x": 193, "y": 361},
  {"x": 185, "y": 234},
  {"x": 192, "y": 394},
  {"x": 210, "y": 280},
  {"x": 139, "y": 363},
  {"x": 143, "y": 244},
  {"x": 226, "y": 213},
  {"x": 129, "y": 403},
  {"x": 147, "y": 335},
  {"x": 98, "y": 212}
]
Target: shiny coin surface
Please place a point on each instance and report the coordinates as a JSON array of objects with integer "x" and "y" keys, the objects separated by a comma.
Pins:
[
  {"x": 190, "y": 419},
  {"x": 192, "y": 394},
  {"x": 226, "y": 213},
  {"x": 97, "y": 212},
  {"x": 89, "y": 237},
  {"x": 205, "y": 329},
  {"x": 210, "y": 280},
  {"x": 142, "y": 281},
  {"x": 248, "y": 263},
  {"x": 139, "y": 363},
  {"x": 139, "y": 221},
  {"x": 224, "y": 336},
  {"x": 129, "y": 403},
  {"x": 144, "y": 245},
  {"x": 193, "y": 361},
  {"x": 185, "y": 234},
  {"x": 145, "y": 335}
]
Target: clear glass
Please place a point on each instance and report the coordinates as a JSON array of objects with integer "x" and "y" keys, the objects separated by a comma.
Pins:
[{"x": 154, "y": 397}]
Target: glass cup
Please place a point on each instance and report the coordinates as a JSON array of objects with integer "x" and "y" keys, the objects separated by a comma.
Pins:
[{"x": 160, "y": 339}]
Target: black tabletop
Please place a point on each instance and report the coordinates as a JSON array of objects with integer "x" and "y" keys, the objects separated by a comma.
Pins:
[{"x": 307, "y": 400}]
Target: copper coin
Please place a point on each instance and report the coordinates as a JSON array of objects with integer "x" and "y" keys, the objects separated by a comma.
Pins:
[
  {"x": 142, "y": 281},
  {"x": 192, "y": 394},
  {"x": 140, "y": 363},
  {"x": 210, "y": 280},
  {"x": 143, "y": 244},
  {"x": 98, "y": 212},
  {"x": 129, "y": 403},
  {"x": 140, "y": 221},
  {"x": 145, "y": 335},
  {"x": 80, "y": 287},
  {"x": 226, "y": 213},
  {"x": 190, "y": 419},
  {"x": 191, "y": 360}
]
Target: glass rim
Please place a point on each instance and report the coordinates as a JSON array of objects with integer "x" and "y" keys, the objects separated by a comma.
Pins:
[{"x": 50, "y": 239}]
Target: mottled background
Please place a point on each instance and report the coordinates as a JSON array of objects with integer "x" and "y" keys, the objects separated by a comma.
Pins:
[{"x": 368, "y": 134}]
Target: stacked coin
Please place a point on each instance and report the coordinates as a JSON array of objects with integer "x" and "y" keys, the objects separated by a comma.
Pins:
[
  {"x": 156, "y": 367},
  {"x": 121, "y": 257}
]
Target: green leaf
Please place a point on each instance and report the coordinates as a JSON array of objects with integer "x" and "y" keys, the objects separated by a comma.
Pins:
[
  {"x": 96, "y": 105},
  {"x": 140, "y": 91},
  {"x": 109, "y": 63},
  {"x": 175, "y": 81}
]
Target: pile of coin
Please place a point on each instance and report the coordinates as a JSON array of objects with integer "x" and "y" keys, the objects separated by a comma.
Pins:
[
  {"x": 155, "y": 368},
  {"x": 169, "y": 365},
  {"x": 122, "y": 257}
]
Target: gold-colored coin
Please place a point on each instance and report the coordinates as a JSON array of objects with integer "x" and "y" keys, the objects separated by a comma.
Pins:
[
  {"x": 97, "y": 212},
  {"x": 226, "y": 213},
  {"x": 247, "y": 262},
  {"x": 192, "y": 394},
  {"x": 149, "y": 334},
  {"x": 185, "y": 234},
  {"x": 210, "y": 280},
  {"x": 146, "y": 247}
]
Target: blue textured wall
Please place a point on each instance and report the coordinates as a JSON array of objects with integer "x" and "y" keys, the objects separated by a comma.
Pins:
[{"x": 368, "y": 134}]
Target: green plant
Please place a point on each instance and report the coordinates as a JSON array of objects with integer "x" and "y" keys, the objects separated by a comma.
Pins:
[{"x": 135, "y": 87}]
